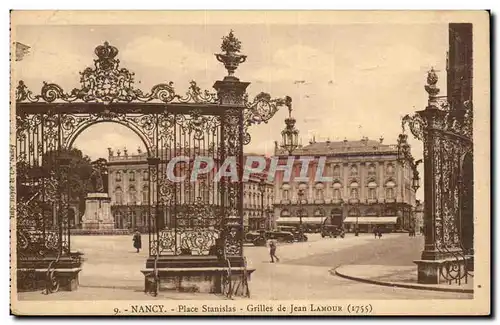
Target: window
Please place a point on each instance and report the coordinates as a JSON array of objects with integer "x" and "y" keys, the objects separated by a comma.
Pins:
[
  {"x": 145, "y": 195},
  {"x": 119, "y": 195},
  {"x": 132, "y": 176},
  {"x": 390, "y": 169},
  {"x": 132, "y": 195},
  {"x": 372, "y": 190},
  {"x": 354, "y": 170},
  {"x": 336, "y": 191},
  {"x": 336, "y": 171},
  {"x": 389, "y": 190},
  {"x": 285, "y": 192},
  {"x": 354, "y": 190},
  {"x": 145, "y": 176},
  {"x": 371, "y": 170},
  {"x": 389, "y": 193},
  {"x": 118, "y": 176},
  {"x": 319, "y": 191}
]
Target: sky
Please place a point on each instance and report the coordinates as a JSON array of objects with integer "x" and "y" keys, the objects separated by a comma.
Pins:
[{"x": 357, "y": 80}]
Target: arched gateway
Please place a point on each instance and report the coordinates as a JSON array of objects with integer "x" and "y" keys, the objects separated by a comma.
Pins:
[{"x": 204, "y": 238}]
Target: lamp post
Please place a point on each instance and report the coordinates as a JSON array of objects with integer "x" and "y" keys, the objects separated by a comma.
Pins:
[
  {"x": 269, "y": 223},
  {"x": 262, "y": 189},
  {"x": 300, "y": 195},
  {"x": 290, "y": 135}
]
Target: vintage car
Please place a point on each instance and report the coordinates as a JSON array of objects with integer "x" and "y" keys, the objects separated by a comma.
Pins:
[
  {"x": 258, "y": 238},
  {"x": 332, "y": 231},
  {"x": 297, "y": 233}
]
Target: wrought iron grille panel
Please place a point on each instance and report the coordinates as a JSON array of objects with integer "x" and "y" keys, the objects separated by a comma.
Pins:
[
  {"x": 42, "y": 191},
  {"x": 192, "y": 201},
  {"x": 447, "y": 137}
]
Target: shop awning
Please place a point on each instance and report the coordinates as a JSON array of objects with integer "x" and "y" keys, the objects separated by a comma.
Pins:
[
  {"x": 371, "y": 220},
  {"x": 294, "y": 220}
]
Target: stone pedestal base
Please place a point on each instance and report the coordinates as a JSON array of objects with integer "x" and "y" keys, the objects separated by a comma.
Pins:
[
  {"x": 202, "y": 280},
  {"x": 90, "y": 225},
  {"x": 443, "y": 271},
  {"x": 204, "y": 274},
  {"x": 98, "y": 214},
  {"x": 32, "y": 274}
]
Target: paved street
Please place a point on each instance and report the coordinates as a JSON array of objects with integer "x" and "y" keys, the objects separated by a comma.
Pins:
[{"x": 112, "y": 269}]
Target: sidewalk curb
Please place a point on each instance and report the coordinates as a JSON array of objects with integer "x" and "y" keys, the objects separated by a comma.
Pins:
[{"x": 398, "y": 284}]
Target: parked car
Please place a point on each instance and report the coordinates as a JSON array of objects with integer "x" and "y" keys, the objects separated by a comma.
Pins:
[
  {"x": 297, "y": 233},
  {"x": 258, "y": 238}
]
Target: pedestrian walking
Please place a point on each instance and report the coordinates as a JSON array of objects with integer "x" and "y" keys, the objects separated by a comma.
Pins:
[
  {"x": 137, "y": 240},
  {"x": 272, "y": 251},
  {"x": 379, "y": 233},
  {"x": 375, "y": 231}
]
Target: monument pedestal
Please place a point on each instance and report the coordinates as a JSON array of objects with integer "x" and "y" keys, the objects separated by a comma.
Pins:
[{"x": 98, "y": 212}]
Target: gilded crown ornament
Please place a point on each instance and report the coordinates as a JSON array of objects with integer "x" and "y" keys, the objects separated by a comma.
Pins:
[{"x": 231, "y": 46}]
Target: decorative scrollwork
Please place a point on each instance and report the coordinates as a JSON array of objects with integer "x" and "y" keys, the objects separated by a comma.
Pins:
[
  {"x": 107, "y": 82},
  {"x": 261, "y": 110},
  {"x": 196, "y": 232}
]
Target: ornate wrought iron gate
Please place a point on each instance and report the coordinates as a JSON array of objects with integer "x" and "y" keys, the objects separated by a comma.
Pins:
[
  {"x": 448, "y": 148},
  {"x": 199, "y": 216}
]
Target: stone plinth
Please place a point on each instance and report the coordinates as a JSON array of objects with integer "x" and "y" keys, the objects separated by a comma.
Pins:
[{"x": 98, "y": 214}]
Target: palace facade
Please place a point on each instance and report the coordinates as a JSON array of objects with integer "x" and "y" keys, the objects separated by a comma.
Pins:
[{"x": 368, "y": 187}]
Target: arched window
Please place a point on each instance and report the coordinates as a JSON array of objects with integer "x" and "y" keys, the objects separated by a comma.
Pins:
[
  {"x": 389, "y": 190},
  {"x": 132, "y": 194},
  {"x": 336, "y": 171},
  {"x": 118, "y": 177},
  {"x": 145, "y": 176},
  {"x": 132, "y": 176},
  {"x": 119, "y": 195},
  {"x": 354, "y": 190},
  {"x": 145, "y": 194},
  {"x": 319, "y": 191},
  {"x": 354, "y": 170},
  {"x": 372, "y": 190}
]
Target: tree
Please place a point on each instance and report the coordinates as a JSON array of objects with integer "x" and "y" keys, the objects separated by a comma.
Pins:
[{"x": 72, "y": 169}]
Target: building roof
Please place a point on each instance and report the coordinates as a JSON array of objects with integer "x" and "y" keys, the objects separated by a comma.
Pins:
[{"x": 340, "y": 147}]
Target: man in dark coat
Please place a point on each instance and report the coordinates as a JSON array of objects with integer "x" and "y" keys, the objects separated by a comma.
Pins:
[
  {"x": 272, "y": 251},
  {"x": 137, "y": 240}
]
